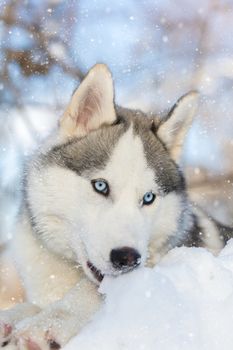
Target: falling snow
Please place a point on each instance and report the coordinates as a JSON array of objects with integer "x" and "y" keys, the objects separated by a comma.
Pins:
[{"x": 157, "y": 51}]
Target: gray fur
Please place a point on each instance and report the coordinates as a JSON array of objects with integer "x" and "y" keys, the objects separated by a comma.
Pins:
[
  {"x": 167, "y": 173},
  {"x": 84, "y": 154},
  {"x": 93, "y": 151}
]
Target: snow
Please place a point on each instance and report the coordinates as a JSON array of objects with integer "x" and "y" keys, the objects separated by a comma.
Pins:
[{"x": 185, "y": 302}]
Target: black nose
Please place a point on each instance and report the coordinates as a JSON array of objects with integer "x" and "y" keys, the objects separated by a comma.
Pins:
[{"x": 125, "y": 257}]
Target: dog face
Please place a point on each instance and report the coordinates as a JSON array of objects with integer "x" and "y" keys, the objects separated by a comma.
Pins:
[{"x": 108, "y": 192}]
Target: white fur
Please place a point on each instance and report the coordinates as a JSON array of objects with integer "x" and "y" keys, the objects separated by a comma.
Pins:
[
  {"x": 164, "y": 225},
  {"x": 46, "y": 277},
  {"x": 84, "y": 225}
]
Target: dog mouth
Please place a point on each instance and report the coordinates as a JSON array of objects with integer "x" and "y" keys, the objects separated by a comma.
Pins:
[
  {"x": 99, "y": 276},
  {"x": 95, "y": 272}
]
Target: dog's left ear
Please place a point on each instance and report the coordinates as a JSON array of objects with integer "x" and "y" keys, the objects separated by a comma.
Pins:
[
  {"x": 92, "y": 104},
  {"x": 173, "y": 128}
]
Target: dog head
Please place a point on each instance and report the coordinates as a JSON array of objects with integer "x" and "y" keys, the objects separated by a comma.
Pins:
[{"x": 107, "y": 192}]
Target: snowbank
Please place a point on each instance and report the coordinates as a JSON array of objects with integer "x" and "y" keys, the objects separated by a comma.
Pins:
[{"x": 185, "y": 302}]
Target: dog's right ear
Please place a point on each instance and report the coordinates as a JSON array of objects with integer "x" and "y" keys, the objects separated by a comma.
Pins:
[{"x": 92, "y": 104}]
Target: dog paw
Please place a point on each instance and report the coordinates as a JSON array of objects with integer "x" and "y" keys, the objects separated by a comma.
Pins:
[
  {"x": 5, "y": 333},
  {"x": 9, "y": 318},
  {"x": 49, "y": 329},
  {"x": 23, "y": 342},
  {"x": 32, "y": 339}
]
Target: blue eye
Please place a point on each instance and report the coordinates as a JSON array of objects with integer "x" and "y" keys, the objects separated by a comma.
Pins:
[
  {"x": 148, "y": 198},
  {"x": 100, "y": 186}
]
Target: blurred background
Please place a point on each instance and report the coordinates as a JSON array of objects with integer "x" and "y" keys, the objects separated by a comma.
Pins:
[{"x": 157, "y": 50}]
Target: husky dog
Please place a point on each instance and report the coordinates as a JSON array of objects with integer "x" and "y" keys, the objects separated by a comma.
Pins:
[{"x": 103, "y": 196}]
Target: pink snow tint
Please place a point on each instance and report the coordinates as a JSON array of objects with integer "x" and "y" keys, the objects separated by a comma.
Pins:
[{"x": 185, "y": 302}]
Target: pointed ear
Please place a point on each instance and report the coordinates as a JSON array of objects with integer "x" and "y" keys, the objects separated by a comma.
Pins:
[
  {"x": 92, "y": 104},
  {"x": 173, "y": 129}
]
